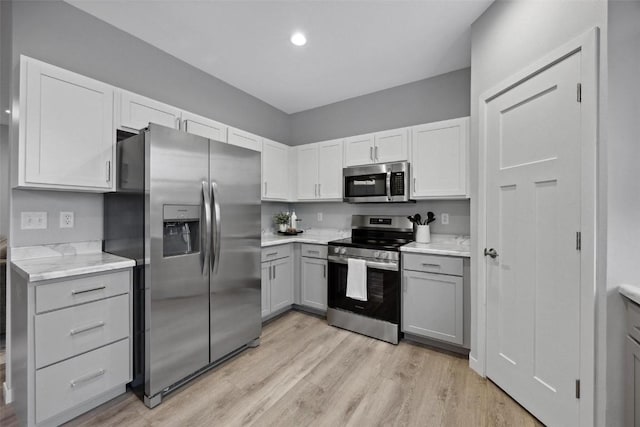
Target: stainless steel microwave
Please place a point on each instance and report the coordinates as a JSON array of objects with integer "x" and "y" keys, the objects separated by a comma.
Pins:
[{"x": 381, "y": 183}]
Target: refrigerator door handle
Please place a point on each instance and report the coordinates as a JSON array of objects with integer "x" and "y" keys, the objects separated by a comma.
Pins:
[
  {"x": 205, "y": 232},
  {"x": 217, "y": 228}
]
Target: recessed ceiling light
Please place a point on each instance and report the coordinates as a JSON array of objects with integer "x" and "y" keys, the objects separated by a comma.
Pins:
[
  {"x": 298, "y": 39},
  {"x": 7, "y": 111}
]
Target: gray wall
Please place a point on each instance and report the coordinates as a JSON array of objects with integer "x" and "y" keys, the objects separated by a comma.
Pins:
[
  {"x": 509, "y": 36},
  {"x": 429, "y": 100},
  {"x": 60, "y": 34},
  {"x": 623, "y": 192}
]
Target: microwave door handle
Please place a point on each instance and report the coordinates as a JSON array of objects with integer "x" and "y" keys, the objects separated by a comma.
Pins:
[
  {"x": 205, "y": 232},
  {"x": 389, "y": 185},
  {"x": 217, "y": 227}
]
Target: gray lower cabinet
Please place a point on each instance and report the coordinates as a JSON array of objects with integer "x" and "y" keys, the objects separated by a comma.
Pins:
[
  {"x": 433, "y": 303},
  {"x": 277, "y": 283},
  {"x": 71, "y": 344},
  {"x": 314, "y": 283},
  {"x": 632, "y": 366}
]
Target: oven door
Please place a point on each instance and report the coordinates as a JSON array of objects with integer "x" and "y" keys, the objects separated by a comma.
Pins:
[{"x": 383, "y": 290}]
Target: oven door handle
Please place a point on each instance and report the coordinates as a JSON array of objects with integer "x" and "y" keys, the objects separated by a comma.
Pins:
[{"x": 370, "y": 264}]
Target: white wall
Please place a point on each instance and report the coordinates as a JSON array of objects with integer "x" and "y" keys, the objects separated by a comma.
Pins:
[
  {"x": 509, "y": 36},
  {"x": 623, "y": 191}
]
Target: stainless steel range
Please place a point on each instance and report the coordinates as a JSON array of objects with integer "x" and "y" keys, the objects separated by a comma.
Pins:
[{"x": 375, "y": 240}]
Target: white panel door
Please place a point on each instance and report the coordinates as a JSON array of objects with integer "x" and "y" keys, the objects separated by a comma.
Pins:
[
  {"x": 533, "y": 214},
  {"x": 281, "y": 284},
  {"x": 330, "y": 169},
  {"x": 432, "y": 306},
  {"x": 307, "y": 171},
  {"x": 439, "y": 159},
  {"x": 202, "y": 126},
  {"x": 244, "y": 139},
  {"x": 66, "y": 131},
  {"x": 314, "y": 283},
  {"x": 275, "y": 170},
  {"x": 391, "y": 146},
  {"x": 266, "y": 289},
  {"x": 136, "y": 112},
  {"x": 358, "y": 150}
]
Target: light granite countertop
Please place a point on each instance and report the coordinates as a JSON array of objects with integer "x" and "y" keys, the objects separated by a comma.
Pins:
[
  {"x": 314, "y": 236},
  {"x": 630, "y": 291},
  {"x": 37, "y": 263},
  {"x": 441, "y": 244}
]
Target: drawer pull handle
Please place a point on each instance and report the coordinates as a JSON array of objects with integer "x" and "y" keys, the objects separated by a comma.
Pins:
[
  {"x": 84, "y": 291},
  {"x": 86, "y": 328},
  {"x": 424, "y": 264},
  {"x": 272, "y": 254},
  {"x": 86, "y": 378},
  {"x": 313, "y": 252}
]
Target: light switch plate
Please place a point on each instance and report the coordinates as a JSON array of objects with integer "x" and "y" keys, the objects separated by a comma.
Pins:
[
  {"x": 445, "y": 218},
  {"x": 33, "y": 220},
  {"x": 319, "y": 216}
]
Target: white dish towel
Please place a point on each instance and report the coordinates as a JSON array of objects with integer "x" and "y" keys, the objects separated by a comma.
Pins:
[{"x": 357, "y": 279}]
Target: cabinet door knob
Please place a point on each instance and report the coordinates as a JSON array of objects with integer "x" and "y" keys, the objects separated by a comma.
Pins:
[{"x": 491, "y": 252}]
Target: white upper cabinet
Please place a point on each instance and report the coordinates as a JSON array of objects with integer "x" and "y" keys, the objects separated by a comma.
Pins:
[
  {"x": 320, "y": 170},
  {"x": 330, "y": 169},
  {"x": 307, "y": 171},
  {"x": 391, "y": 146},
  {"x": 136, "y": 112},
  {"x": 244, "y": 139},
  {"x": 66, "y": 135},
  {"x": 202, "y": 126},
  {"x": 275, "y": 170},
  {"x": 380, "y": 147},
  {"x": 439, "y": 160},
  {"x": 358, "y": 150}
]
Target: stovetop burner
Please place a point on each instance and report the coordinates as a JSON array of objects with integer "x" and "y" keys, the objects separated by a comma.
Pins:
[
  {"x": 387, "y": 245},
  {"x": 386, "y": 233}
]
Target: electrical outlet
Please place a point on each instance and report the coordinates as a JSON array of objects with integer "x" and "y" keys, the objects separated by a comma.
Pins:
[
  {"x": 33, "y": 220},
  {"x": 444, "y": 218},
  {"x": 66, "y": 220},
  {"x": 319, "y": 216}
]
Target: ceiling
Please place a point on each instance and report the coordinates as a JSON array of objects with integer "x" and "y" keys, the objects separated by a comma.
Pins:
[{"x": 354, "y": 47}]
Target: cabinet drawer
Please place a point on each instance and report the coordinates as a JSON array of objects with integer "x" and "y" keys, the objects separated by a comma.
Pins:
[
  {"x": 53, "y": 296},
  {"x": 64, "y": 333},
  {"x": 432, "y": 264},
  {"x": 314, "y": 251},
  {"x": 275, "y": 252},
  {"x": 67, "y": 384},
  {"x": 633, "y": 320}
]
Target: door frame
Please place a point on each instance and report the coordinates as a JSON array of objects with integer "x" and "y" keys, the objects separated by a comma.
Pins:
[{"x": 587, "y": 44}]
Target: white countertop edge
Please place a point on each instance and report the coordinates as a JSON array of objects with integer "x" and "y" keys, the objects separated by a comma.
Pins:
[
  {"x": 113, "y": 263},
  {"x": 630, "y": 291}
]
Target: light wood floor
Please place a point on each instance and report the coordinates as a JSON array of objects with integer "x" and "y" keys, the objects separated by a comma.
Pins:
[{"x": 306, "y": 373}]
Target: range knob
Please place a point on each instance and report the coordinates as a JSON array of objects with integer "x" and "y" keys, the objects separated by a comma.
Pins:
[
  {"x": 384, "y": 255},
  {"x": 376, "y": 254},
  {"x": 336, "y": 250},
  {"x": 343, "y": 251}
]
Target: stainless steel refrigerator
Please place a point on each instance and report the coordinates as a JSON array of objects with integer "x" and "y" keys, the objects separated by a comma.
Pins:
[{"x": 187, "y": 209}]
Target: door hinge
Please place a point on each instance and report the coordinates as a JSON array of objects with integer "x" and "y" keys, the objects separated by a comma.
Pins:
[
  {"x": 578, "y": 240},
  {"x": 579, "y": 92},
  {"x": 577, "y": 389}
]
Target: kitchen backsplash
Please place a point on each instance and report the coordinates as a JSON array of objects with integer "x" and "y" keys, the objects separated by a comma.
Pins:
[{"x": 338, "y": 215}]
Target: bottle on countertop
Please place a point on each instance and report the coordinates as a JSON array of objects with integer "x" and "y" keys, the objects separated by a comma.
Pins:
[{"x": 294, "y": 218}]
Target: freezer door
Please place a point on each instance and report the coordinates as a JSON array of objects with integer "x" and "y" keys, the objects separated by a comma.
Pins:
[
  {"x": 177, "y": 283},
  {"x": 235, "y": 261}
]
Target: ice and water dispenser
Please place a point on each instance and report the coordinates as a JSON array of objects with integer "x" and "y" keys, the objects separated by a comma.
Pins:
[{"x": 181, "y": 230}]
